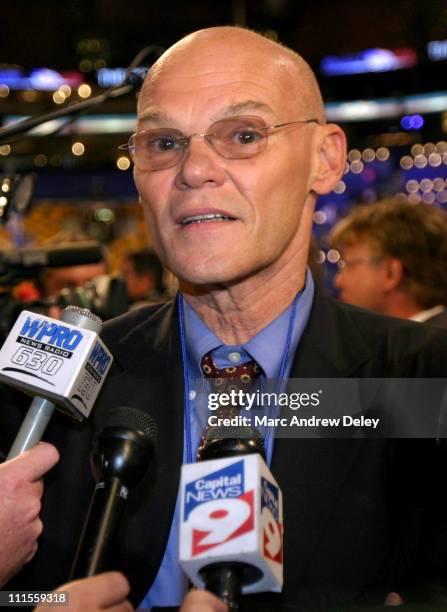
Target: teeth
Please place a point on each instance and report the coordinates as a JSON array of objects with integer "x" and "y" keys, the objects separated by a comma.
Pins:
[{"x": 204, "y": 218}]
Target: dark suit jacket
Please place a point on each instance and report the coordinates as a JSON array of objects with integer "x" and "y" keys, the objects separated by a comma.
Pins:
[
  {"x": 439, "y": 320},
  {"x": 360, "y": 515}
]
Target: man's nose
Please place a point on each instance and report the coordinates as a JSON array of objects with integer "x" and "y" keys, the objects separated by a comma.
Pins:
[{"x": 201, "y": 165}]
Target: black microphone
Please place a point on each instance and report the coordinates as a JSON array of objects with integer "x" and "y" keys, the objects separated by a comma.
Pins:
[
  {"x": 225, "y": 579},
  {"x": 231, "y": 517},
  {"x": 122, "y": 451}
]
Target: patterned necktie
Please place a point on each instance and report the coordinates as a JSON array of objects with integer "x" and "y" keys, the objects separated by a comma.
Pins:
[{"x": 224, "y": 380}]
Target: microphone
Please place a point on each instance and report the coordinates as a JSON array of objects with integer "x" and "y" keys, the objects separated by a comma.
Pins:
[
  {"x": 61, "y": 362},
  {"x": 122, "y": 451},
  {"x": 231, "y": 528},
  {"x": 80, "y": 253}
]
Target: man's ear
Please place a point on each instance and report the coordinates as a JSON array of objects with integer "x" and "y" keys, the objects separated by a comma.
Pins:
[
  {"x": 332, "y": 159},
  {"x": 394, "y": 273}
]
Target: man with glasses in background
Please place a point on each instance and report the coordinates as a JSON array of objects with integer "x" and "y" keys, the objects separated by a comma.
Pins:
[
  {"x": 394, "y": 260},
  {"x": 231, "y": 152}
]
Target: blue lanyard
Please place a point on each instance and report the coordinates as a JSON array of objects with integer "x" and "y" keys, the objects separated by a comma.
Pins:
[
  {"x": 282, "y": 370},
  {"x": 280, "y": 380}
]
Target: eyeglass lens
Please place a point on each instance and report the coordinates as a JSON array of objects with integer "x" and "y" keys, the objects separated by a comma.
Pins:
[{"x": 233, "y": 138}]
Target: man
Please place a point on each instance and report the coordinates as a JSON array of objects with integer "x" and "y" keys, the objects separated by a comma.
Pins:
[
  {"x": 143, "y": 275},
  {"x": 393, "y": 256},
  {"x": 230, "y": 154}
]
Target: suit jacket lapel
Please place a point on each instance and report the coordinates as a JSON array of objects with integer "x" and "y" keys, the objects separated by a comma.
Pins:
[
  {"x": 311, "y": 472},
  {"x": 331, "y": 345}
]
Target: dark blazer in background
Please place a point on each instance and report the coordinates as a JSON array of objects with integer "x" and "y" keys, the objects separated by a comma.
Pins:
[
  {"x": 439, "y": 320},
  {"x": 362, "y": 516}
]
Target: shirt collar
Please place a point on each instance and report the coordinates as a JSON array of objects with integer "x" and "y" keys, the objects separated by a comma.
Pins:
[
  {"x": 425, "y": 315},
  {"x": 264, "y": 347}
]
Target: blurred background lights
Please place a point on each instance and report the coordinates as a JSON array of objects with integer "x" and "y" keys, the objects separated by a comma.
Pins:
[
  {"x": 77, "y": 148},
  {"x": 84, "y": 91},
  {"x": 40, "y": 160},
  {"x": 354, "y": 155},
  {"x": 382, "y": 154},
  {"x": 5, "y": 150},
  {"x": 320, "y": 256},
  {"x": 406, "y": 162},
  {"x": 357, "y": 167},
  {"x": 428, "y": 198},
  {"x": 333, "y": 256},
  {"x": 434, "y": 160},
  {"x": 4, "y": 91},
  {"x": 85, "y": 65},
  {"x": 320, "y": 217},
  {"x": 99, "y": 63},
  {"x": 426, "y": 185},
  {"x": 412, "y": 186},
  {"x": 66, "y": 90},
  {"x": 104, "y": 215},
  {"x": 420, "y": 161},
  {"x": 58, "y": 97},
  {"x": 368, "y": 155},
  {"x": 438, "y": 184},
  {"x": 416, "y": 150},
  {"x": 414, "y": 198},
  {"x": 412, "y": 122},
  {"x": 123, "y": 163},
  {"x": 340, "y": 187}
]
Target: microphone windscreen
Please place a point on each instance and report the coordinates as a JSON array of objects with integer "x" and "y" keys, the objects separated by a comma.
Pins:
[
  {"x": 232, "y": 441},
  {"x": 128, "y": 418}
]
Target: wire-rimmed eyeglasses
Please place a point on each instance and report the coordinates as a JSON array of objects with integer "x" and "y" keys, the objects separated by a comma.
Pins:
[{"x": 233, "y": 138}]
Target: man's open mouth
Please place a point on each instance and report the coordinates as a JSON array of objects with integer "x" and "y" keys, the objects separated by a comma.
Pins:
[{"x": 206, "y": 218}]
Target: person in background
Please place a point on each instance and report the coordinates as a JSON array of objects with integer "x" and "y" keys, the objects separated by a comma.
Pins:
[
  {"x": 143, "y": 276},
  {"x": 52, "y": 280},
  {"x": 394, "y": 258}
]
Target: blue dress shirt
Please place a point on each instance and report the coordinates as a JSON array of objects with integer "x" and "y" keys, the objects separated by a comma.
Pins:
[{"x": 267, "y": 349}]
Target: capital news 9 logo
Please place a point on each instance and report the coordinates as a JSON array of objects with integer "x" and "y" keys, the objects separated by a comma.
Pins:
[{"x": 218, "y": 509}]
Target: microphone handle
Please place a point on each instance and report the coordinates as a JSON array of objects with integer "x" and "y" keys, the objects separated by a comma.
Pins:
[
  {"x": 33, "y": 426},
  {"x": 100, "y": 528},
  {"x": 225, "y": 581}
]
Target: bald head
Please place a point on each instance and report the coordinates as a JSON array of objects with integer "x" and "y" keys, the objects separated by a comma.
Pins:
[
  {"x": 237, "y": 48},
  {"x": 259, "y": 187}
]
